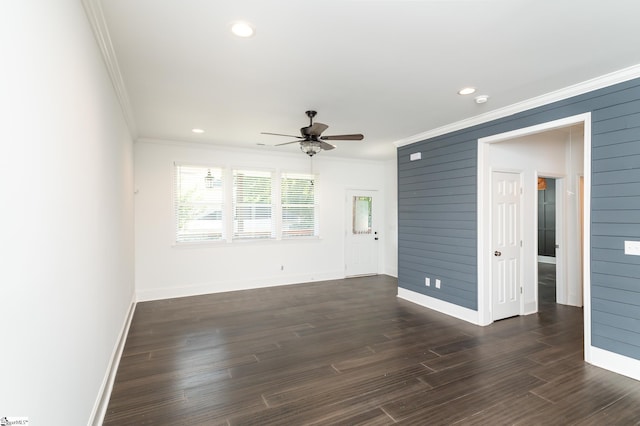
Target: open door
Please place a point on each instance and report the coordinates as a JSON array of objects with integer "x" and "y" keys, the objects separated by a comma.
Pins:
[{"x": 506, "y": 288}]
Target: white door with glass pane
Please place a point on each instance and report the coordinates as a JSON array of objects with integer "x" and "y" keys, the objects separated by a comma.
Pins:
[{"x": 361, "y": 251}]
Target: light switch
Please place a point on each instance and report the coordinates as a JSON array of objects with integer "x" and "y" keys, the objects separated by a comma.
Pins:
[
  {"x": 632, "y": 248},
  {"x": 415, "y": 156}
]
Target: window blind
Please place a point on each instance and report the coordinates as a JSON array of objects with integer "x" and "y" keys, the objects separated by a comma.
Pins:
[
  {"x": 252, "y": 205},
  {"x": 198, "y": 203},
  {"x": 298, "y": 195}
]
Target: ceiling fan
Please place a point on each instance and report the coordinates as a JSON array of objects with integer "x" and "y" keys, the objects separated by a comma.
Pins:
[{"x": 311, "y": 142}]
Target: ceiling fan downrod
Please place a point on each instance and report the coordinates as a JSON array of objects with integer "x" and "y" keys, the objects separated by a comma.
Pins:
[{"x": 311, "y": 114}]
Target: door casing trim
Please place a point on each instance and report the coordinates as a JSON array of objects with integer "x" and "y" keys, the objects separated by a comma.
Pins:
[{"x": 484, "y": 218}]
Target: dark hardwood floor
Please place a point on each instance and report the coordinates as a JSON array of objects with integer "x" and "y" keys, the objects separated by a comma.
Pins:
[{"x": 349, "y": 352}]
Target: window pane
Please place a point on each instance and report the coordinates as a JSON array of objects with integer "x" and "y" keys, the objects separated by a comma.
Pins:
[
  {"x": 198, "y": 203},
  {"x": 362, "y": 215},
  {"x": 252, "y": 207},
  {"x": 298, "y": 205}
]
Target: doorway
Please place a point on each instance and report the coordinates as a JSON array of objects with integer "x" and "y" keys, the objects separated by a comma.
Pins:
[
  {"x": 528, "y": 147},
  {"x": 546, "y": 241},
  {"x": 546, "y": 220}
]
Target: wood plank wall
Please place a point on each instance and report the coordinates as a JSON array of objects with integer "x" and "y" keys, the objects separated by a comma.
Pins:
[
  {"x": 615, "y": 217},
  {"x": 437, "y": 210}
]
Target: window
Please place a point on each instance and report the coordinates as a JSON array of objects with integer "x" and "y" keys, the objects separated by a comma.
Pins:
[
  {"x": 298, "y": 205},
  {"x": 362, "y": 215},
  {"x": 216, "y": 204},
  {"x": 252, "y": 205},
  {"x": 198, "y": 200}
]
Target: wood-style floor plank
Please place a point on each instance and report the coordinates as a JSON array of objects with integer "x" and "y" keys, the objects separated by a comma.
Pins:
[{"x": 350, "y": 352}]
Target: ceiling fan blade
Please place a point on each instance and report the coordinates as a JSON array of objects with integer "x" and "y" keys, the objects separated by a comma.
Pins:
[
  {"x": 287, "y": 143},
  {"x": 354, "y": 137},
  {"x": 317, "y": 128},
  {"x": 326, "y": 146},
  {"x": 280, "y": 134}
]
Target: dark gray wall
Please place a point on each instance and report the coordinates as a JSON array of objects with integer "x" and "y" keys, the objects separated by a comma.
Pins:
[
  {"x": 547, "y": 219},
  {"x": 437, "y": 210}
]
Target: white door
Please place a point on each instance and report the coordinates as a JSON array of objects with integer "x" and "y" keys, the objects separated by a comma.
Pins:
[
  {"x": 506, "y": 244},
  {"x": 361, "y": 242}
]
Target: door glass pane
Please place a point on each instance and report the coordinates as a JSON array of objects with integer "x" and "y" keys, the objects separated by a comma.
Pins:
[{"x": 361, "y": 215}]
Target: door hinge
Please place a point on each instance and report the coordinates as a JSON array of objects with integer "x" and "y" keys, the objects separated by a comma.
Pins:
[
  {"x": 520, "y": 243},
  {"x": 520, "y": 290}
]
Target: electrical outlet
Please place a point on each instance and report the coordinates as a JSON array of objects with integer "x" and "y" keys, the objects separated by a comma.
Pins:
[
  {"x": 632, "y": 248},
  {"x": 427, "y": 281},
  {"x": 438, "y": 283}
]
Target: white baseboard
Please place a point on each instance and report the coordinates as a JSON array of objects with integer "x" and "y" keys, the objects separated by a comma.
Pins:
[
  {"x": 547, "y": 259},
  {"x": 102, "y": 401},
  {"x": 392, "y": 272},
  {"x": 441, "y": 306},
  {"x": 614, "y": 362},
  {"x": 222, "y": 287},
  {"x": 530, "y": 308}
]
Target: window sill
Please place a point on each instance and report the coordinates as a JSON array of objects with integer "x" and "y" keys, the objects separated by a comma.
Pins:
[{"x": 219, "y": 243}]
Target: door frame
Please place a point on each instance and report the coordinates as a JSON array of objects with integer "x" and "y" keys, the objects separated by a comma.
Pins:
[{"x": 484, "y": 217}]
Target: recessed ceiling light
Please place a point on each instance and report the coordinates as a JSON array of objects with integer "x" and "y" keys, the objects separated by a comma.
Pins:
[
  {"x": 466, "y": 91},
  {"x": 197, "y": 130},
  {"x": 480, "y": 99},
  {"x": 242, "y": 29}
]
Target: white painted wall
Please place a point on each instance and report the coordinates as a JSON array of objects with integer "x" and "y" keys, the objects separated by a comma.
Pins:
[
  {"x": 391, "y": 214},
  {"x": 544, "y": 154},
  {"x": 573, "y": 280},
  {"x": 164, "y": 270},
  {"x": 66, "y": 179}
]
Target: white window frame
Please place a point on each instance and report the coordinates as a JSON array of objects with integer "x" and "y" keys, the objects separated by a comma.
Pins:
[
  {"x": 314, "y": 206},
  {"x": 222, "y": 204},
  {"x": 251, "y": 236},
  {"x": 228, "y": 205}
]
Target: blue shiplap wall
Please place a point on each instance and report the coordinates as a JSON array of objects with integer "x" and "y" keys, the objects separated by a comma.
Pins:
[{"x": 437, "y": 210}]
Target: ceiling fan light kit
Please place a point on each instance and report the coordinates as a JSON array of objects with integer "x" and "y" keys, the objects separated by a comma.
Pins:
[
  {"x": 311, "y": 141},
  {"x": 310, "y": 148}
]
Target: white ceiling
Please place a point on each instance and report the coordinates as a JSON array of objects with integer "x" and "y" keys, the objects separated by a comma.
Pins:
[{"x": 387, "y": 69}]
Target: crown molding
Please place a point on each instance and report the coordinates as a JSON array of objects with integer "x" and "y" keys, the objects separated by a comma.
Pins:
[
  {"x": 95, "y": 15},
  {"x": 606, "y": 80}
]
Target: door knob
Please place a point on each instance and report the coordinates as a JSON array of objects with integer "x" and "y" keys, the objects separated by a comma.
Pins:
[{"x": 497, "y": 253}]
